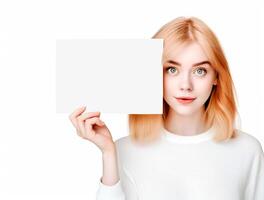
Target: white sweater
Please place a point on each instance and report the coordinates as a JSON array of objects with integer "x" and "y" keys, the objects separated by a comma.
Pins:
[{"x": 188, "y": 168}]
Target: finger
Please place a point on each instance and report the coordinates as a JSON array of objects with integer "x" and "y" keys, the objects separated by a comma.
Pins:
[
  {"x": 79, "y": 115},
  {"x": 79, "y": 121},
  {"x": 88, "y": 123},
  {"x": 75, "y": 114},
  {"x": 85, "y": 116},
  {"x": 81, "y": 129},
  {"x": 86, "y": 128}
]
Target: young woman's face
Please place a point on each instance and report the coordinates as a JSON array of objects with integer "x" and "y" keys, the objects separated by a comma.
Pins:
[{"x": 187, "y": 72}]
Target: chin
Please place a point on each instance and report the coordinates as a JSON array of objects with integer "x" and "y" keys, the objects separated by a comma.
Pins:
[{"x": 184, "y": 111}]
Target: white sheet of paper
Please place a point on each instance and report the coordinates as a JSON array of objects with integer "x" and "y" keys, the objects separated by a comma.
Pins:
[{"x": 109, "y": 75}]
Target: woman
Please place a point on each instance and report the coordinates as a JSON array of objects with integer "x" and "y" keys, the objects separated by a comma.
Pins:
[{"x": 193, "y": 150}]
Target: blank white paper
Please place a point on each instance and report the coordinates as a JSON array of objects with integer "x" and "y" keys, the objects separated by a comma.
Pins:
[{"x": 109, "y": 75}]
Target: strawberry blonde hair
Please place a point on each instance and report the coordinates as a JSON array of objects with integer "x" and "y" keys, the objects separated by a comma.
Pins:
[{"x": 220, "y": 108}]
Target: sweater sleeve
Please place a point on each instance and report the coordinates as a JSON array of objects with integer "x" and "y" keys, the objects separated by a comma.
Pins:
[
  {"x": 113, "y": 192},
  {"x": 255, "y": 185},
  {"x": 125, "y": 189}
]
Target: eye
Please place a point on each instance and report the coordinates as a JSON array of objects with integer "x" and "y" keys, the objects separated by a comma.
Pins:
[
  {"x": 168, "y": 68},
  {"x": 200, "y": 69}
]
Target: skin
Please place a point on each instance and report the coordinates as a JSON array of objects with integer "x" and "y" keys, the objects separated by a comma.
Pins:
[{"x": 186, "y": 80}]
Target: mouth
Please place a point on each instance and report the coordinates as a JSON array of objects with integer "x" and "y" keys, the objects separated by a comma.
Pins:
[{"x": 185, "y": 100}]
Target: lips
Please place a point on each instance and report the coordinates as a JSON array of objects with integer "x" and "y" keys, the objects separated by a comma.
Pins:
[{"x": 186, "y": 98}]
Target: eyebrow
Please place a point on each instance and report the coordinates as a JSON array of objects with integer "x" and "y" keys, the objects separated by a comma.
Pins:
[{"x": 194, "y": 65}]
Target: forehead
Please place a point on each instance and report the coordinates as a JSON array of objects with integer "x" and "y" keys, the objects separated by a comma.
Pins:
[{"x": 185, "y": 53}]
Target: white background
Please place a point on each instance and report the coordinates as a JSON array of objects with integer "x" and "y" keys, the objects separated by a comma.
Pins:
[{"x": 41, "y": 155}]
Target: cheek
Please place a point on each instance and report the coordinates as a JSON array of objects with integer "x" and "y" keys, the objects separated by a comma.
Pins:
[
  {"x": 168, "y": 87},
  {"x": 203, "y": 89}
]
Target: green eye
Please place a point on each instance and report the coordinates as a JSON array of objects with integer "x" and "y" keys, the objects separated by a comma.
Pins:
[
  {"x": 200, "y": 70},
  {"x": 168, "y": 68}
]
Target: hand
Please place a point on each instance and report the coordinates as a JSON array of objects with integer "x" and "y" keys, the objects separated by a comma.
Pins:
[{"x": 89, "y": 126}]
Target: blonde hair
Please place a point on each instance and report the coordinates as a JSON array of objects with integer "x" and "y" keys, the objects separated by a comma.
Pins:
[{"x": 220, "y": 108}]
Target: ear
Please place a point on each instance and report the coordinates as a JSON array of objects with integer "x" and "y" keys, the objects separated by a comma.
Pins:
[
  {"x": 215, "y": 79},
  {"x": 215, "y": 82}
]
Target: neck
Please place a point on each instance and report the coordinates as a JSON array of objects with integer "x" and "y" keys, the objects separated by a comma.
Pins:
[{"x": 192, "y": 124}]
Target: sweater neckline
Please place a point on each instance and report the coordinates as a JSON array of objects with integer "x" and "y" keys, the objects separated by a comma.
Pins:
[{"x": 200, "y": 137}]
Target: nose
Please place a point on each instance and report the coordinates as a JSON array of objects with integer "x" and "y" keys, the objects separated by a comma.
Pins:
[{"x": 186, "y": 83}]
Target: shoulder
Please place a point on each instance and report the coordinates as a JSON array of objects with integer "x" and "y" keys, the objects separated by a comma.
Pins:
[
  {"x": 127, "y": 151},
  {"x": 123, "y": 144},
  {"x": 126, "y": 145},
  {"x": 123, "y": 141},
  {"x": 249, "y": 142}
]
